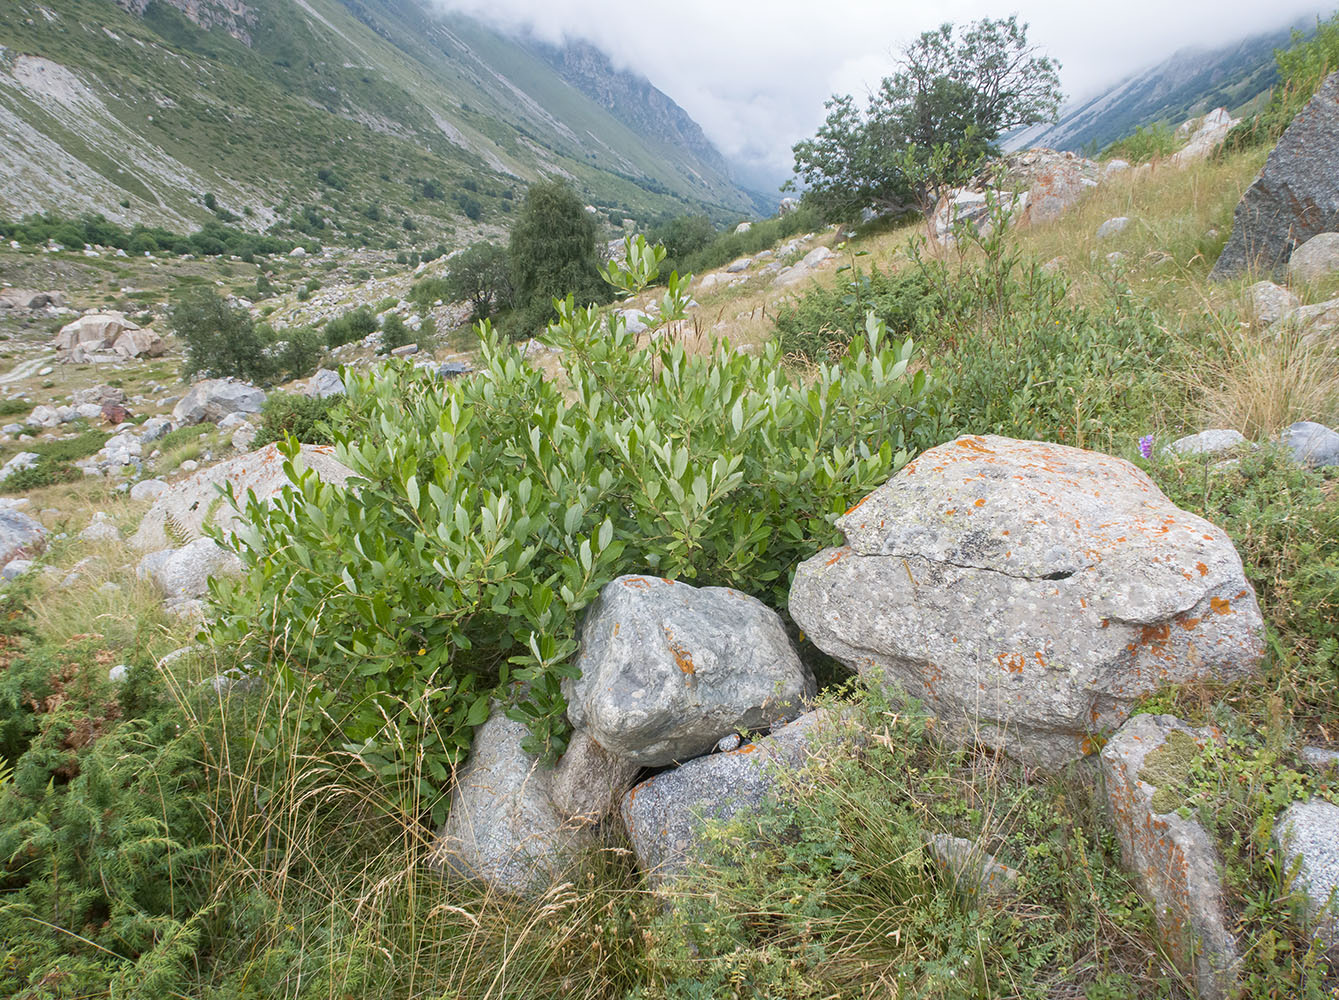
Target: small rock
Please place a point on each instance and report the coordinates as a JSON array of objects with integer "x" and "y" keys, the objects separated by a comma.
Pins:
[
  {"x": 1112, "y": 227},
  {"x": 244, "y": 437},
  {"x": 15, "y": 568},
  {"x": 118, "y": 673},
  {"x": 23, "y": 460},
  {"x": 728, "y": 742},
  {"x": 405, "y": 351},
  {"x": 190, "y": 465},
  {"x": 1316, "y": 758},
  {"x": 100, "y": 531},
  {"x": 1314, "y": 259},
  {"x": 736, "y": 266},
  {"x": 1311, "y": 444},
  {"x": 975, "y": 871},
  {"x": 19, "y": 535},
  {"x": 1270, "y": 302},
  {"x": 1208, "y": 443}
]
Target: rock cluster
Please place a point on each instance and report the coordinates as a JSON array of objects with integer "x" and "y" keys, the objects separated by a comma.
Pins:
[{"x": 91, "y": 337}]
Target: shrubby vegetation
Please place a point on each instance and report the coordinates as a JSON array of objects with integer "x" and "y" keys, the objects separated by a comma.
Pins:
[
  {"x": 1303, "y": 67},
  {"x": 223, "y": 341},
  {"x": 930, "y": 125},
  {"x": 213, "y": 239},
  {"x": 1144, "y": 144},
  {"x": 692, "y": 244},
  {"x": 305, "y": 419},
  {"x": 496, "y": 507}
]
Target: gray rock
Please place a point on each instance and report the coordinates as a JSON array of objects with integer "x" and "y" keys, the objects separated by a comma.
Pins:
[
  {"x": 1308, "y": 833},
  {"x": 98, "y": 395},
  {"x": 736, "y": 266},
  {"x": 1028, "y": 594},
  {"x": 817, "y": 256},
  {"x": 244, "y": 437},
  {"x": 1314, "y": 259},
  {"x": 405, "y": 350},
  {"x": 15, "y": 568},
  {"x": 1218, "y": 441},
  {"x": 324, "y": 383},
  {"x": 1316, "y": 758},
  {"x": 588, "y": 782},
  {"x": 148, "y": 489},
  {"x": 92, "y": 332},
  {"x": 154, "y": 428},
  {"x": 1172, "y": 858},
  {"x": 233, "y": 420},
  {"x": 503, "y": 827},
  {"x": 975, "y": 871},
  {"x": 20, "y": 535},
  {"x": 1270, "y": 302},
  {"x": 728, "y": 742},
  {"x": 664, "y": 814},
  {"x": 23, "y": 460},
  {"x": 190, "y": 465},
  {"x": 183, "y": 574},
  {"x": 1311, "y": 444},
  {"x": 667, "y": 669},
  {"x": 43, "y": 416},
  {"x": 101, "y": 530},
  {"x": 213, "y": 399},
  {"x": 1112, "y": 227},
  {"x": 189, "y": 504},
  {"x": 1295, "y": 197}
]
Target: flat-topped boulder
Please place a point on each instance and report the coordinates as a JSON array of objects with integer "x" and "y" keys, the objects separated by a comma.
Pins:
[
  {"x": 215, "y": 398},
  {"x": 1029, "y": 594},
  {"x": 179, "y": 515}
]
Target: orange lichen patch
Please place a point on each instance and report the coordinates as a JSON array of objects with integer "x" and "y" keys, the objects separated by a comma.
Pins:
[
  {"x": 617, "y": 626},
  {"x": 667, "y": 580},
  {"x": 975, "y": 444},
  {"x": 857, "y": 504},
  {"x": 1013, "y": 663},
  {"x": 1188, "y": 623},
  {"x": 980, "y": 503},
  {"x": 637, "y": 583},
  {"x": 1083, "y": 602},
  {"x": 839, "y": 555},
  {"x": 1220, "y": 606},
  {"x": 683, "y": 659},
  {"x": 1040, "y": 658},
  {"x": 1005, "y": 532},
  {"x": 746, "y": 748},
  {"x": 951, "y": 510},
  {"x": 1204, "y": 570}
]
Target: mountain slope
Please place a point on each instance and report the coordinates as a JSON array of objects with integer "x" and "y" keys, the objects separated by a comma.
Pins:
[
  {"x": 359, "y": 120},
  {"x": 1190, "y": 82}
]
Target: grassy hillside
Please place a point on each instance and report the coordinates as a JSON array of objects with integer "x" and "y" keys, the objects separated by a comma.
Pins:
[{"x": 364, "y": 121}]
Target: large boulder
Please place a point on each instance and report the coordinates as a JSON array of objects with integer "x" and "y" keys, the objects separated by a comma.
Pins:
[
  {"x": 20, "y": 535},
  {"x": 213, "y": 399},
  {"x": 515, "y": 823},
  {"x": 1028, "y": 594},
  {"x": 1295, "y": 197},
  {"x": 1206, "y": 135},
  {"x": 183, "y": 574},
  {"x": 667, "y": 669},
  {"x": 92, "y": 332},
  {"x": 1144, "y": 767},
  {"x": 179, "y": 515},
  {"x": 1053, "y": 182},
  {"x": 664, "y": 814},
  {"x": 1315, "y": 259},
  {"x": 138, "y": 343}
]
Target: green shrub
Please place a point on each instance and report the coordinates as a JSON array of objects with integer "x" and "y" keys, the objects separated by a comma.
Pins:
[
  {"x": 495, "y": 508},
  {"x": 825, "y": 320},
  {"x": 14, "y": 407},
  {"x": 428, "y": 291},
  {"x": 394, "y": 333},
  {"x": 55, "y": 462},
  {"x": 1144, "y": 144},
  {"x": 224, "y": 341},
  {"x": 1302, "y": 67},
  {"x": 304, "y": 418},
  {"x": 353, "y": 325}
]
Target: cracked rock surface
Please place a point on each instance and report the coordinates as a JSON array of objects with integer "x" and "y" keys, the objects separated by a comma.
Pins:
[
  {"x": 1028, "y": 594},
  {"x": 667, "y": 669}
]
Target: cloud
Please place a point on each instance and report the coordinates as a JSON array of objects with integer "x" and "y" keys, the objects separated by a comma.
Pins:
[{"x": 755, "y": 75}]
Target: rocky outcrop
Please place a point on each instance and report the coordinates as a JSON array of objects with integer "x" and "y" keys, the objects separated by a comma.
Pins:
[
  {"x": 664, "y": 814},
  {"x": 179, "y": 515},
  {"x": 1037, "y": 185},
  {"x": 1172, "y": 858},
  {"x": 1028, "y": 594},
  {"x": 213, "y": 399},
  {"x": 94, "y": 332},
  {"x": 1295, "y": 197},
  {"x": 667, "y": 669},
  {"x": 1205, "y": 135}
]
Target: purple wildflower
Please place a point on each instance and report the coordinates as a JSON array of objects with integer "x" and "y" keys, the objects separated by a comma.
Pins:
[{"x": 1146, "y": 446}]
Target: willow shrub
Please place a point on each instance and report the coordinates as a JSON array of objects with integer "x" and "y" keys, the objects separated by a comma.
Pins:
[{"x": 488, "y": 512}]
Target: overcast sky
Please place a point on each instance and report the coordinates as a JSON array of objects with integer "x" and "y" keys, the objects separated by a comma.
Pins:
[{"x": 755, "y": 74}]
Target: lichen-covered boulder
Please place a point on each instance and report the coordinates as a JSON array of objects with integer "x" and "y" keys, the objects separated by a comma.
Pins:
[
  {"x": 179, "y": 514},
  {"x": 213, "y": 399},
  {"x": 667, "y": 669},
  {"x": 1144, "y": 767},
  {"x": 1028, "y": 594},
  {"x": 664, "y": 814}
]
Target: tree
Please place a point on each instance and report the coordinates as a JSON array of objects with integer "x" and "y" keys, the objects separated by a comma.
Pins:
[
  {"x": 224, "y": 341},
  {"x": 552, "y": 254},
  {"x": 933, "y": 123},
  {"x": 480, "y": 275}
]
